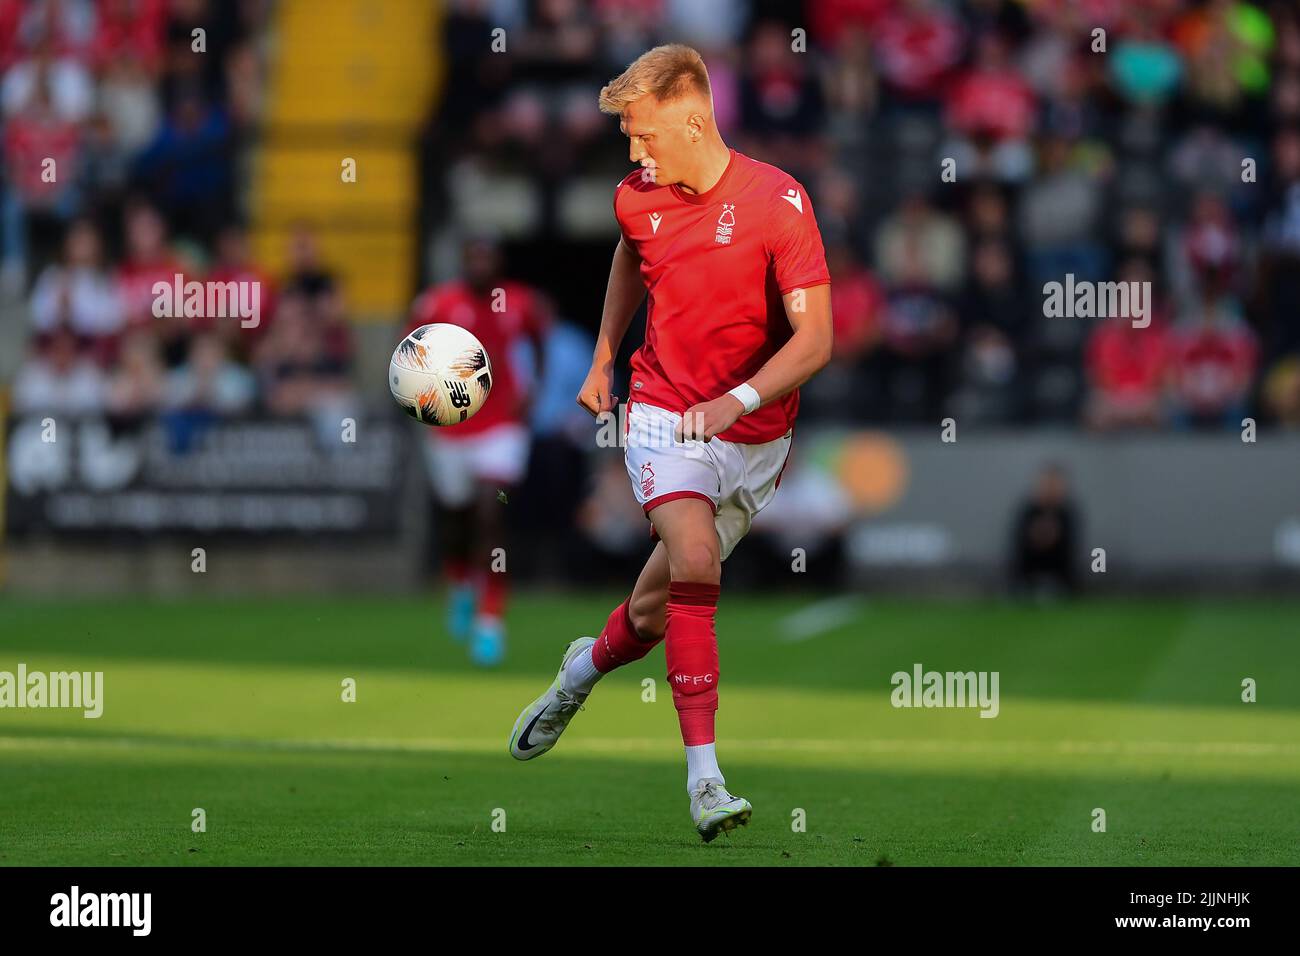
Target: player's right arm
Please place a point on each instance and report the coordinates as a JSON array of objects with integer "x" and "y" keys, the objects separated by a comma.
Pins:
[{"x": 623, "y": 297}]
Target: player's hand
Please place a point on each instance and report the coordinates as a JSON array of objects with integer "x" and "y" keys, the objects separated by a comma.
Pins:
[
  {"x": 596, "y": 395},
  {"x": 703, "y": 421}
]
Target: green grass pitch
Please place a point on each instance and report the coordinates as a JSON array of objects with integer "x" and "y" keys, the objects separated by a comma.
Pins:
[{"x": 235, "y": 708}]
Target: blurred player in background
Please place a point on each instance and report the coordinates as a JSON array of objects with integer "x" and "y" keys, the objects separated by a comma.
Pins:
[
  {"x": 738, "y": 318},
  {"x": 474, "y": 466}
]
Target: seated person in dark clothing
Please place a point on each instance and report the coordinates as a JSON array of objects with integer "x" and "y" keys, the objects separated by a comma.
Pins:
[{"x": 1043, "y": 541}]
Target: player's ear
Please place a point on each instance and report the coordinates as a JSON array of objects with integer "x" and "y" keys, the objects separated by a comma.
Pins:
[{"x": 695, "y": 126}]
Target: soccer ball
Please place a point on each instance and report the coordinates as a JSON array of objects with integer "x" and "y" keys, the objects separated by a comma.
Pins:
[{"x": 440, "y": 374}]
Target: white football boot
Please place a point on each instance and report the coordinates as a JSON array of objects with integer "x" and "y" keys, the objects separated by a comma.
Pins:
[
  {"x": 540, "y": 723},
  {"x": 715, "y": 810}
]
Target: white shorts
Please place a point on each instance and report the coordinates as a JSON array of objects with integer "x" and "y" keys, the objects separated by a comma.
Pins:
[
  {"x": 738, "y": 480},
  {"x": 457, "y": 465}
]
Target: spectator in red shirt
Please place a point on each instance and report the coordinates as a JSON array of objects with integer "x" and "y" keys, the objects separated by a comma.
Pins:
[
  {"x": 35, "y": 135},
  {"x": 11, "y": 14},
  {"x": 917, "y": 45},
  {"x": 1126, "y": 370},
  {"x": 857, "y": 305},
  {"x": 149, "y": 259},
  {"x": 832, "y": 20},
  {"x": 42, "y": 153},
  {"x": 234, "y": 263},
  {"x": 1213, "y": 365},
  {"x": 1128, "y": 367},
  {"x": 131, "y": 28},
  {"x": 992, "y": 99},
  {"x": 992, "y": 107},
  {"x": 1210, "y": 250}
]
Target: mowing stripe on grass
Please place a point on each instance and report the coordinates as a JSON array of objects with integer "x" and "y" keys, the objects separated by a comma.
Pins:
[
  {"x": 655, "y": 746},
  {"x": 820, "y": 618}
]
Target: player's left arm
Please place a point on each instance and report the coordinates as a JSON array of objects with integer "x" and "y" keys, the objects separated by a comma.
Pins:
[
  {"x": 798, "y": 261},
  {"x": 805, "y": 354},
  {"x": 807, "y": 351}
]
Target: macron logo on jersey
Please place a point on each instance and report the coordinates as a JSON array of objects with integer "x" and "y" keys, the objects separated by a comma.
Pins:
[
  {"x": 655, "y": 219},
  {"x": 794, "y": 199}
]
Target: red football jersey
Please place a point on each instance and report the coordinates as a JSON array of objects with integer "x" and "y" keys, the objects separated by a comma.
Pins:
[
  {"x": 715, "y": 265},
  {"x": 524, "y": 315}
]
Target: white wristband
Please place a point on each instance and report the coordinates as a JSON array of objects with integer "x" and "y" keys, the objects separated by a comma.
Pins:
[{"x": 748, "y": 397}]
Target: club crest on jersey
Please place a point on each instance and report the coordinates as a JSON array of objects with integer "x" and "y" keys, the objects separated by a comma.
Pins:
[
  {"x": 655, "y": 219},
  {"x": 726, "y": 223},
  {"x": 647, "y": 481}
]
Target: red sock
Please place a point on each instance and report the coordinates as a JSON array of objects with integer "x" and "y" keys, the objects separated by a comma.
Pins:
[
  {"x": 493, "y": 602},
  {"x": 692, "y": 652},
  {"x": 619, "y": 642}
]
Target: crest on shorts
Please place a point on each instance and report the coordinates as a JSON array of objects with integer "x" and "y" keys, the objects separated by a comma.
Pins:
[{"x": 647, "y": 480}]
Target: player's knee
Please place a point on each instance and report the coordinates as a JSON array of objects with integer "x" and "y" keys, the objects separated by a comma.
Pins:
[{"x": 696, "y": 561}]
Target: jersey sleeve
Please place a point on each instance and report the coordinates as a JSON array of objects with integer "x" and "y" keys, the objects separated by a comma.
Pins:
[
  {"x": 794, "y": 241},
  {"x": 619, "y": 190},
  {"x": 622, "y": 196}
]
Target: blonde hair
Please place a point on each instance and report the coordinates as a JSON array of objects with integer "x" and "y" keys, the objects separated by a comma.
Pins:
[{"x": 667, "y": 73}]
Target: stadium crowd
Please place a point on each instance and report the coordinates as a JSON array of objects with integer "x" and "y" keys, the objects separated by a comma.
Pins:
[
  {"x": 1110, "y": 140},
  {"x": 1105, "y": 139},
  {"x": 121, "y": 151}
]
